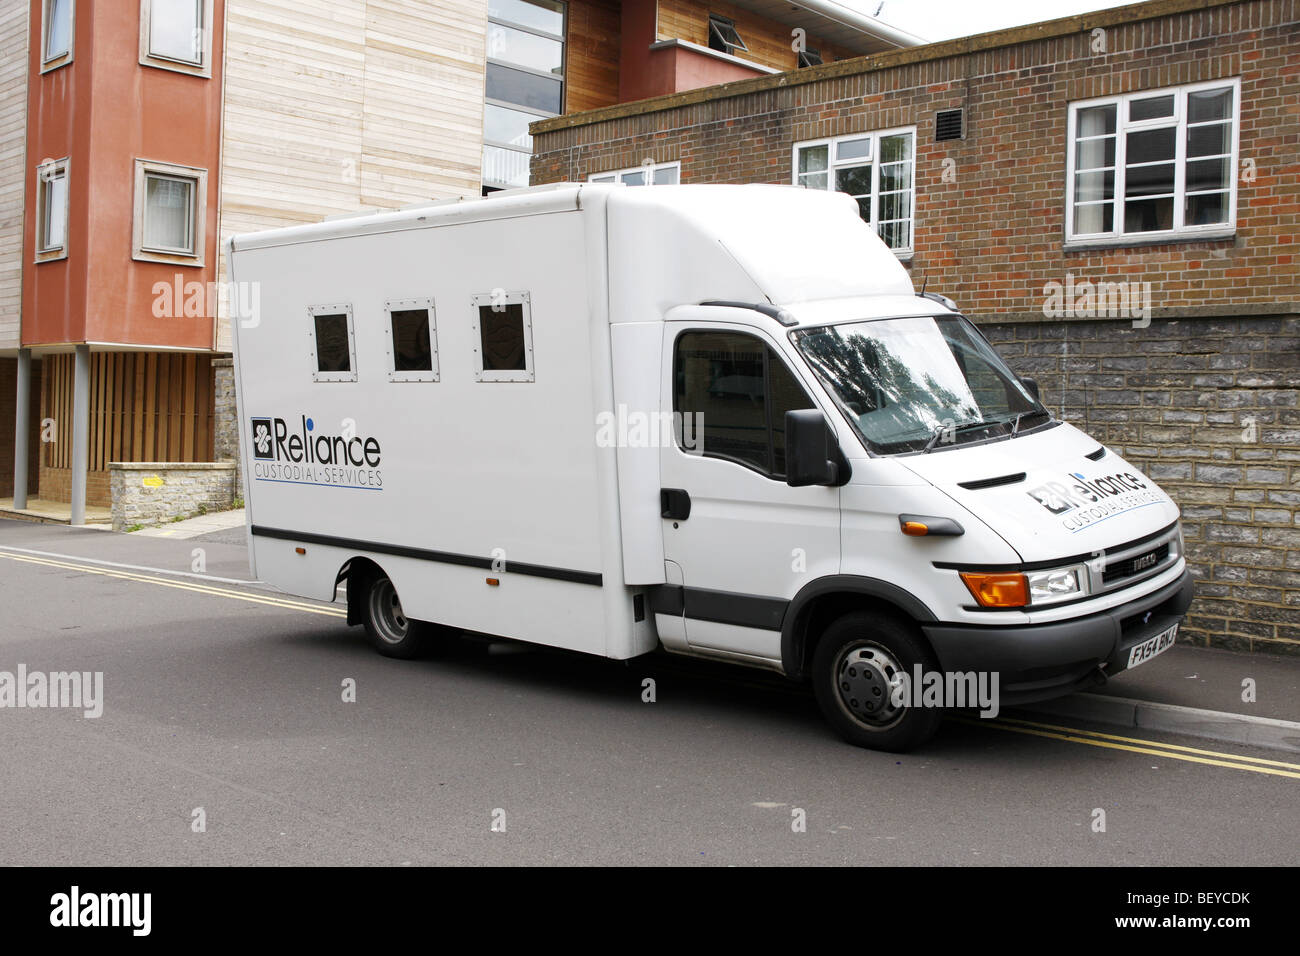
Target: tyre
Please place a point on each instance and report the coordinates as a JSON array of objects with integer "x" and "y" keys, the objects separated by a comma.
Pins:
[
  {"x": 857, "y": 665},
  {"x": 388, "y": 628}
]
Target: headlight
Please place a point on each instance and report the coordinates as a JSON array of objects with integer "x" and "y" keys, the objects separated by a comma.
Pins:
[
  {"x": 1032, "y": 588},
  {"x": 1057, "y": 584}
]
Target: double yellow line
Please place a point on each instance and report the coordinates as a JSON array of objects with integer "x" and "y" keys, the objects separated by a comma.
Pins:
[
  {"x": 1214, "y": 758},
  {"x": 197, "y": 587}
]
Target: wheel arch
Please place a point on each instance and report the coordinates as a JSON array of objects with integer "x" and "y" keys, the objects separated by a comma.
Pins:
[
  {"x": 821, "y": 601},
  {"x": 356, "y": 569}
]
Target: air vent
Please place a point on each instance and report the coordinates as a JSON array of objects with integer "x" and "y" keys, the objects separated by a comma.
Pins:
[
  {"x": 1097, "y": 455},
  {"x": 991, "y": 482},
  {"x": 948, "y": 124}
]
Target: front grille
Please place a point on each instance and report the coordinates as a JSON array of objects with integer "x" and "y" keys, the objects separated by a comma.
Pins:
[{"x": 1128, "y": 567}]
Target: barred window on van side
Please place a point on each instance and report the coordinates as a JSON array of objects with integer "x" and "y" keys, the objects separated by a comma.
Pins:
[
  {"x": 412, "y": 341},
  {"x": 503, "y": 337},
  {"x": 333, "y": 344}
]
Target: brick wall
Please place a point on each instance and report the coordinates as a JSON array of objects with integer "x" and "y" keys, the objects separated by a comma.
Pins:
[
  {"x": 1206, "y": 397},
  {"x": 56, "y": 485}
]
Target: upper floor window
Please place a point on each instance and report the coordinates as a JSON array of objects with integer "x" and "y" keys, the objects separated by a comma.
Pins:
[
  {"x": 647, "y": 174},
  {"x": 723, "y": 35},
  {"x": 52, "y": 210},
  {"x": 1159, "y": 162},
  {"x": 809, "y": 57},
  {"x": 738, "y": 389},
  {"x": 524, "y": 83},
  {"x": 170, "y": 206},
  {"x": 175, "y": 35},
  {"x": 57, "y": 18},
  {"x": 876, "y": 169}
]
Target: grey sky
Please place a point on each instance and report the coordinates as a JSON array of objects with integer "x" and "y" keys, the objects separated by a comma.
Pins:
[{"x": 945, "y": 19}]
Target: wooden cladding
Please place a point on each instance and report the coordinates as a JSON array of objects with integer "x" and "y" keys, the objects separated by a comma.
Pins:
[
  {"x": 144, "y": 406},
  {"x": 769, "y": 41},
  {"x": 592, "y": 56}
]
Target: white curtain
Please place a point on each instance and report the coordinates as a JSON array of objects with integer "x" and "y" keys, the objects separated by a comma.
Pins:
[
  {"x": 56, "y": 211},
  {"x": 167, "y": 219},
  {"x": 58, "y": 31},
  {"x": 174, "y": 29}
]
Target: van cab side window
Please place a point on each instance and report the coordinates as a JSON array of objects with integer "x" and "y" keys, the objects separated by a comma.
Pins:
[{"x": 731, "y": 392}]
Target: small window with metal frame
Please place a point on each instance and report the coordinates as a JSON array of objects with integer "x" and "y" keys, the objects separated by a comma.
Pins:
[
  {"x": 810, "y": 58},
  {"x": 412, "y": 340},
  {"x": 503, "y": 337},
  {"x": 723, "y": 35},
  {"x": 333, "y": 343}
]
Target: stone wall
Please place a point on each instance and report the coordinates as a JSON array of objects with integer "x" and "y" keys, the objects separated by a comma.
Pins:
[
  {"x": 225, "y": 418},
  {"x": 152, "y": 493},
  {"x": 1209, "y": 408}
]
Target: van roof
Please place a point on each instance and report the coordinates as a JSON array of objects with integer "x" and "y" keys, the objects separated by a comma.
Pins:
[{"x": 782, "y": 243}]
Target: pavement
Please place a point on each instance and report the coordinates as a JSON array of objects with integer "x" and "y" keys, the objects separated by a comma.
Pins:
[{"x": 216, "y": 521}]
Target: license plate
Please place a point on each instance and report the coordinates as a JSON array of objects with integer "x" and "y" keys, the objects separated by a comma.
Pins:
[{"x": 1149, "y": 649}]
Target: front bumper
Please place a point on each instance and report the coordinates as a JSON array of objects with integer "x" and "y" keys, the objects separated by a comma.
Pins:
[{"x": 1041, "y": 661}]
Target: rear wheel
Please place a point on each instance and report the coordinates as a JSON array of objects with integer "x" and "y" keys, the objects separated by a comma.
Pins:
[
  {"x": 388, "y": 628},
  {"x": 860, "y": 672}
]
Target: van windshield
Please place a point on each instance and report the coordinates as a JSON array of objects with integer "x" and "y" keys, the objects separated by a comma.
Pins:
[{"x": 920, "y": 384}]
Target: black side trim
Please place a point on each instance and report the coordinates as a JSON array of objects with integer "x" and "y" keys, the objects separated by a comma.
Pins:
[
  {"x": 1097, "y": 455},
  {"x": 793, "y": 639},
  {"x": 423, "y": 554},
  {"x": 979, "y": 483},
  {"x": 771, "y": 311},
  {"x": 1039, "y": 565},
  {"x": 719, "y": 607}
]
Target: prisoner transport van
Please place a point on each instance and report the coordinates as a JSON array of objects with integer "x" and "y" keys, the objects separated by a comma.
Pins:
[{"x": 713, "y": 420}]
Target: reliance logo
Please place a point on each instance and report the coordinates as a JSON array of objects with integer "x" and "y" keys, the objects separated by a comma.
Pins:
[
  {"x": 1084, "y": 501},
  {"x": 307, "y": 456}
]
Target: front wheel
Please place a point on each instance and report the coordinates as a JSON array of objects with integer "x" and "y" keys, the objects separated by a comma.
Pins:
[
  {"x": 861, "y": 662},
  {"x": 388, "y": 628}
]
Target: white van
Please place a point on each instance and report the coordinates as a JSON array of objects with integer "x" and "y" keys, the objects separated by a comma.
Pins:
[{"x": 716, "y": 420}]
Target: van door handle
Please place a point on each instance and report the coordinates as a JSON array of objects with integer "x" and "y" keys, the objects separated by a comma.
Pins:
[{"x": 674, "y": 503}]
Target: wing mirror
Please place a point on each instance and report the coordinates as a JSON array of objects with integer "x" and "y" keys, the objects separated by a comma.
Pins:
[{"x": 812, "y": 456}]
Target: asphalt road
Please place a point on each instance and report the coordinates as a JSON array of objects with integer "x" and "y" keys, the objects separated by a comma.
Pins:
[{"x": 228, "y": 697}]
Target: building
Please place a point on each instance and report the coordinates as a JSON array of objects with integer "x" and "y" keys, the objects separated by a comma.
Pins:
[
  {"x": 1113, "y": 197},
  {"x": 135, "y": 138}
]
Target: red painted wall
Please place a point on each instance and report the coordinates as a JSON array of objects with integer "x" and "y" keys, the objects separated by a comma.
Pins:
[{"x": 104, "y": 110}]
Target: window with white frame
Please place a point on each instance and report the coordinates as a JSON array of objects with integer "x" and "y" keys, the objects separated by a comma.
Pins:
[
  {"x": 877, "y": 169},
  {"x": 170, "y": 205},
  {"x": 647, "y": 174},
  {"x": 175, "y": 35},
  {"x": 52, "y": 210},
  {"x": 1159, "y": 162},
  {"x": 57, "y": 18}
]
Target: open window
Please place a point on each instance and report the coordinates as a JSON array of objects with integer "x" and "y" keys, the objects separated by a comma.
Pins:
[
  {"x": 723, "y": 35},
  {"x": 738, "y": 389},
  {"x": 503, "y": 337},
  {"x": 810, "y": 58},
  {"x": 333, "y": 344},
  {"x": 412, "y": 341}
]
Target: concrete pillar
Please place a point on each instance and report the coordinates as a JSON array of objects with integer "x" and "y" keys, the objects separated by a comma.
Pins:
[
  {"x": 22, "y": 427},
  {"x": 80, "y": 432}
]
